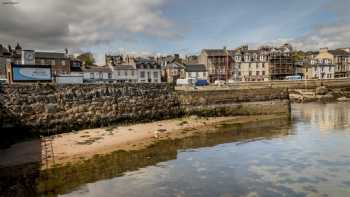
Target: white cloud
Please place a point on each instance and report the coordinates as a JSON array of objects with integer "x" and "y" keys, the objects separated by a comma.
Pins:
[{"x": 53, "y": 24}]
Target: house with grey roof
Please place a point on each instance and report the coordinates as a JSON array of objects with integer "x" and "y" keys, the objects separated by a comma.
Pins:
[
  {"x": 194, "y": 72},
  {"x": 148, "y": 71},
  {"x": 124, "y": 73},
  {"x": 97, "y": 74},
  {"x": 339, "y": 58}
]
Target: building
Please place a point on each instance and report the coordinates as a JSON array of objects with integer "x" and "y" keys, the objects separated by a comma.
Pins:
[
  {"x": 4, "y": 59},
  {"x": 219, "y": 63},
  {"x": 124, "y": 73},
  {"x": 112, "y": 60},
  {"x": 97, "y": 74},
  {"x": 281, "y": 62},
  {"x": 251, "y": 65},
  {"x": 172, "y": 69},
  {"x": 148, "y": 71},
  {"x": 339, "y": 58},
  {"x": 194, "y": 72},
  {"x": 60, "y": 62}
]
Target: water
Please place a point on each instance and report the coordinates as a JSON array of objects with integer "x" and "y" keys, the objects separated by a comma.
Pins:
[{"x": 307, "y": 156}]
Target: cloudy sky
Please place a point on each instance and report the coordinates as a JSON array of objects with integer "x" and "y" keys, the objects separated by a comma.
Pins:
[{"x": 173, "y": 26}]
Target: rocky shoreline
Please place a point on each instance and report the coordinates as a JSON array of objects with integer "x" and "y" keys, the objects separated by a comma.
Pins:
[{"x": 321, "y": 94}]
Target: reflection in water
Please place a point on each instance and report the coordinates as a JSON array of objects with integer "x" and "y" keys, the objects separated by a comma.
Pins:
[
  {"x": 325, "y": 116},
  {"x": 65, "y": 179},
  {"x": 309, "y": 157}
]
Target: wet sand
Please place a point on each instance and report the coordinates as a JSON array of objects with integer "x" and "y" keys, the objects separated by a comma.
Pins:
[{"x": 84, "y": 144}]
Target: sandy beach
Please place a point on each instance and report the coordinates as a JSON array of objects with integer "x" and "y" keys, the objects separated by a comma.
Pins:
[{"x": 84, "y": 144}]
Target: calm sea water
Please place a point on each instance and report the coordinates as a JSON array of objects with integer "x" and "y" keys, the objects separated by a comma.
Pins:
[{"x": 306, "y": 156}]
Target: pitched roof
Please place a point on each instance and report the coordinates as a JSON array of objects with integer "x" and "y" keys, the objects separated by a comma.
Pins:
[
  {"x": 123, "y": 67},
  {"x": 339, "y": 52},
  {"x": 195, "y": 68},
  {"x": 95, "y": 68},
  {"x": 175, "y": 65},
  {"x": 50, "y": 55}
]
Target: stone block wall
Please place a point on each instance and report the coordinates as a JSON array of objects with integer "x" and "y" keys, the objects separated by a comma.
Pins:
[
  {"x": 235, "y": 102},
  {"x": 56, "y": 108},
  {"x": 50, "y": 109}
]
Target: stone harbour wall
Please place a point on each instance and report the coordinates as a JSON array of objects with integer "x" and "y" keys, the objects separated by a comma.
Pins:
[
  {"x": 57, "y": 108},
  {"x": 235, "y": 102},
  {"x": 50, "y": 109}
]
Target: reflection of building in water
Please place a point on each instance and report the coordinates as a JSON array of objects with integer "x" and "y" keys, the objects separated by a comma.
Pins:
[{"x": 327, "y": 116}]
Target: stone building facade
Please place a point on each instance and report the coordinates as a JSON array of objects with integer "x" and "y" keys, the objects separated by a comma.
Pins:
[{"x": 219, "y": 63}]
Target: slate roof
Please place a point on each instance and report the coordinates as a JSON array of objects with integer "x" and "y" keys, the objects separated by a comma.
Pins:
[
  {"x": 123, "y": 67},
  {"x": 218, "y": 52},
  {"x": 195, "y": 68},
  {"x": 50, "y": 55},
  {"x": 339, "y": 52},
  {"x": 142, "y": 63},
  {"x": 95, "y": 68},
  {"x": 175, "y": 65}
]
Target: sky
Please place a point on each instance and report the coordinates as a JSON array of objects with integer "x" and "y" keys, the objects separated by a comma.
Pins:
[{"x": 172, "y": 26}]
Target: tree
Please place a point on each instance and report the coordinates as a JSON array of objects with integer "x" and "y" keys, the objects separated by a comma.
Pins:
[
  {"x": 87, "y": 58},
  {"x": 298, "y": 55}
]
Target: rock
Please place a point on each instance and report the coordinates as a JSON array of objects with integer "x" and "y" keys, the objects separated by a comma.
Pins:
[
  {"x": 321, "y": 90},
  {"x": 51, "y": 108},
  {"x": 343, "y": 99}
]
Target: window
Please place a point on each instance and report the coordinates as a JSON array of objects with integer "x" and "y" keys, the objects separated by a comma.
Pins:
[
  {"x": 257, "y": 65},
  {"x": 155, "y": 75},
  {"x": 142, "y": 74},
  {"x": 263, "y": 65},
  {"x": 329, "y": 69},
  {"x": 263, "y": 73},
  {"x": 118, "y": 73},
  {"x": 126, "y": 73},
  {"x": 63, "y": 63},
  {"x": 109, "y": 75},
  {"x": 100, "y": 75},
  {"x": 42, "y": 62},
  {"x": 53, "y": 62},
  {"x": 91, "y": 75},
  {"x": 250, "y": 73},
  {"x": 197, "y": 74},
  {"x": 239, "y": 73},
  {"x": 204, "y": 74},
  {"x": 257, "y": 73},
  {"x": 132, "y": 73}
]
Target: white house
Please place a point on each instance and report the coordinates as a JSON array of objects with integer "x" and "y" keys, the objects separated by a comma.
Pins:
[
  {"x": 194, "y": 72},
  {"x": 323, "y": 71},
  {"x": 124, "y": 73},
  {"x": 148, "y": 71},
  {"x": 97, "y": 74}
]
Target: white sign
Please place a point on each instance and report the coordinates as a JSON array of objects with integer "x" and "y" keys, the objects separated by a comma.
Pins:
[{"x": 31, "y": 74}]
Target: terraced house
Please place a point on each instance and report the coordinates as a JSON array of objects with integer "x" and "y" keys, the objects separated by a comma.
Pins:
[
  {"x": 251, "y": 65},
  {"x": 340, "y": 58},
  {"x": 219, "y": 63}
]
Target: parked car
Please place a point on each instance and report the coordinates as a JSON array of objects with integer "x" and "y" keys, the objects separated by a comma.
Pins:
[
  {"x": 182, "y": 82},
  {"x": 219, "y": 82},
  {"x": 201, "y": 82}
]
